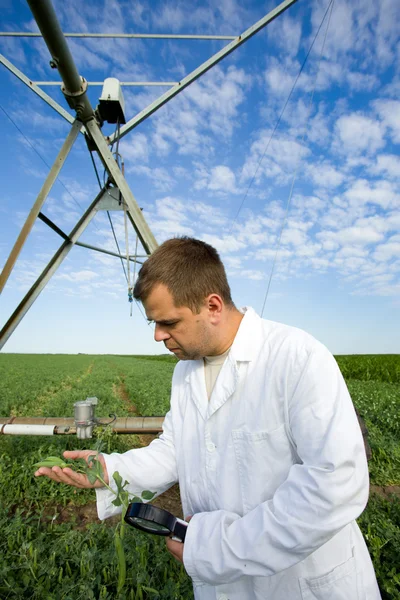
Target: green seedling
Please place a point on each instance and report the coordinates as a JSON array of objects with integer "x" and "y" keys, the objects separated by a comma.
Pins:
[{"x": 94, "y": 471}]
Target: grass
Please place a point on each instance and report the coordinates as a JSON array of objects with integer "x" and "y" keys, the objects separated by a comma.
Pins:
[{"x": 42, "y": 557}]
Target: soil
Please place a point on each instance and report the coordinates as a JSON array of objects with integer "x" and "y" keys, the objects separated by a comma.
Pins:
[
  {"x": 81, "y": 516},
  {"x": 386, "y": 491},
  {"x": 121, "y": 392}
]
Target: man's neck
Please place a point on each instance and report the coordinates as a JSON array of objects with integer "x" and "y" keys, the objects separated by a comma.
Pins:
[{"x": 230, "y": 328}]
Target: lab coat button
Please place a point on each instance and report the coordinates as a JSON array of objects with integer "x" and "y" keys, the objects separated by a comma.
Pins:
[{"x": 210, "y": 447}]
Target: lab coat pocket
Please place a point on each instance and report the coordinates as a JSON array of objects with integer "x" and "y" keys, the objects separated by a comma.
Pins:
[
  {"x": 263, "y": 459},
  {"x": 342, "y": 583}
]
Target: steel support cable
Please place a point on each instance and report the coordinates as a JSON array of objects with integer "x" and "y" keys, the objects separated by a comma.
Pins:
[
  {"x": 116, "y": 242},
  {"x": 109, "y": 217},
  {"x": 279, "y": 118},
  {"x": 137, "y": 303},
  {"x": 120, "y": 163},
  {"x": 330, "y": 6},
  {"x": 95, "y": 169},
  {"x": 108, "y": 214}
]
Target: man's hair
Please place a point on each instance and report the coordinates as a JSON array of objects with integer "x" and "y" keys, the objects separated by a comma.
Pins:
[{"x": 189, "y": 268}]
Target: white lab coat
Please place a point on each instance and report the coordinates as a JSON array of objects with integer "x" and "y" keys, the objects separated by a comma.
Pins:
[{"x": 272, "y": 468}]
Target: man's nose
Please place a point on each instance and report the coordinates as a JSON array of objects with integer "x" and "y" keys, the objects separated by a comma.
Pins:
[{"x": 160, "y": 334}]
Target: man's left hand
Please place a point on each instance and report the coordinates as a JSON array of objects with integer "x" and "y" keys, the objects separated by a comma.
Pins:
[{"x": 176, "y": 548}]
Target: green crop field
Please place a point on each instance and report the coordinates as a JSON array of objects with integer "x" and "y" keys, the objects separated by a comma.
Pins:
[{"x": 53, "y": 546}]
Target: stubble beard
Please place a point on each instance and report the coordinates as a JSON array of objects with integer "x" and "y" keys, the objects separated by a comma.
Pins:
[{"x": 203, "y": 349}]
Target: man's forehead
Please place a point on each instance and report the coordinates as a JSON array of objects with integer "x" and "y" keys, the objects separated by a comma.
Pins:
[{"x": 159, "y": 303}]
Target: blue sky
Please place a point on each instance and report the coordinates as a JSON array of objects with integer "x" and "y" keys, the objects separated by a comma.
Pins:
[{"x": 206, "y": 165}]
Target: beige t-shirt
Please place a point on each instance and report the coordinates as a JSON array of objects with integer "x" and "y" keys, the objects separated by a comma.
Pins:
[{"x": 212, "y": 367}]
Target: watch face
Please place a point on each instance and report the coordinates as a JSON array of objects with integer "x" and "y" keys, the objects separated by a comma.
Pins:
[{"x": 150, "y": 526}]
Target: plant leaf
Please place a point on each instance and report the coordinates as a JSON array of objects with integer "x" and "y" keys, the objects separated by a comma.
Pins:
[
  {"x": 91, "y": 459},
  {"x": 135, "y": 499},
  {"x": 147, "y": 495},
  {"x": 91, "y": 475}
]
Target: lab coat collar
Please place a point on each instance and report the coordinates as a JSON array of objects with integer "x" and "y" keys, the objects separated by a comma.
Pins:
[
  {"x": 244, "y": 349},
  {"x": 249, "y": 337}
]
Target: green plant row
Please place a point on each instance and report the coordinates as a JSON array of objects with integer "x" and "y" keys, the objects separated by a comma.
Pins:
[
  {"x": 370, "y": 367},
  {"x": 40, "y": 558},
  {"x": 54, "y": 561}
]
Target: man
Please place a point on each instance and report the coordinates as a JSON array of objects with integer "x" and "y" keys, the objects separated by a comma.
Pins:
[{"x": 262, "y": 437}]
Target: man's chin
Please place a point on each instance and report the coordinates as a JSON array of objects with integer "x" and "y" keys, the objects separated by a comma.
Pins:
[{"x": 181, "y": 354}]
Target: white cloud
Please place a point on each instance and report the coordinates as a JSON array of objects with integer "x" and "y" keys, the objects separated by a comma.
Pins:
[
  {"x": 171, "y": 208},
  {"x": 273, "y": 158},
  {"x": 354, "y": 235},
  {"x": 352, "y": 251},
  {"x": 308, "y": 206},
  {"x": 159, "y": 176},
  {"x": 318, "y": 129},
  {"x": 167, "y": 229},
  {"x": 219, "y": 94},
  {"x": 224, "y": 243},
  {"x": 381, "y": 193},
  {"x": 222, "y": 179},
  {"x": 380, "y": 223},
  {"x": 84, "y": 275},
  {"x": 389, "y": 111},
  {"x": 278, "y": 81},
  {"x": 341, "y": 35},
  {"x": 269, "y": 254},
  {"x": 362, "y": 81},
  {"x": 232, "y": 262},
  {"x": 288, "y": 35},
  {"x": 325, "y": 175},
  {"x": 294, "y": 237},
  {"x": 387, "y": 251},
  {"x": 388, "y": 165},
  {"x": 358, "y": 133},
  {"x": 252, "y": 274},
  {"x": 209, "y": 214},
  {"x": 135, "y": 149}
]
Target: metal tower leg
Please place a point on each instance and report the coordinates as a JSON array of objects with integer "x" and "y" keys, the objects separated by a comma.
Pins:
[
  {"x": 49, "y": 271},
  {"x": 40, "y": 200}
]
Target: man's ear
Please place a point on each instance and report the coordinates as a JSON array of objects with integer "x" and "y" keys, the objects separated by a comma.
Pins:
[{"x": 215, "y": 306}]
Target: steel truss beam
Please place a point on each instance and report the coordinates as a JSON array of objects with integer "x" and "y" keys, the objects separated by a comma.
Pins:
[
  {"x": 157, "y": 36},
  {"x": 35, "y": 210},
  {"x": 122, "y": 83},
  {"x": 146, "y": 237},
  {"x": 33, "y": 86},
  {"x": 61, "y": 233},
  {"x": 208, "y": 64},
  {"x": 49, "y": 271}
]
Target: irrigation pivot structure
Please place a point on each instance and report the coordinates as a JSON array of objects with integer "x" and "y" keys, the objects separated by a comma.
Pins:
[
  {"x": 87, "y": 120},
  {"x": 115, "y": 193}
]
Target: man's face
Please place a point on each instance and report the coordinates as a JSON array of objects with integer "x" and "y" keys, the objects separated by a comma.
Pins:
[{"x": 187, "y": 335}]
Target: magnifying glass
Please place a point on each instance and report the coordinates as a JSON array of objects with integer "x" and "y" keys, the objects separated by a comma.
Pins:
[{"x": 158, "y": 521}]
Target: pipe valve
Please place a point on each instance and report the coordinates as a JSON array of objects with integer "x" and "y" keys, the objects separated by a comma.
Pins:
[{"x": 84, "y": 417}]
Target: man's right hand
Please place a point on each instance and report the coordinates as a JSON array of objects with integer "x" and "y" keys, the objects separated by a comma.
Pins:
[{"x": 71, "y": 477}]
